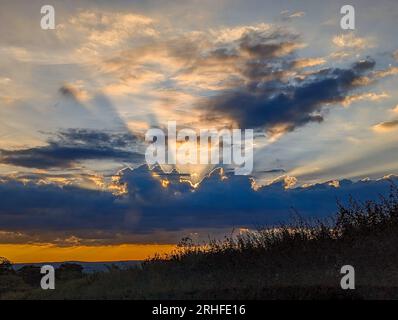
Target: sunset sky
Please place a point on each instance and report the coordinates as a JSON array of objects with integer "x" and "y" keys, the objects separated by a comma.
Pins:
[{"x": 76, "y": 102}]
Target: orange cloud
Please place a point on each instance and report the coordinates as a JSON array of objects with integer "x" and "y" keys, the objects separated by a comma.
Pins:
[
  {"x": 368, "y": 96},
  {"x": 308, "y": 62},
  {"x": 386, "y": 126},
  {"x": 351, "y": 41},
  {"x": 109, "y": 28},
  {"x": 388, "y": 72}
]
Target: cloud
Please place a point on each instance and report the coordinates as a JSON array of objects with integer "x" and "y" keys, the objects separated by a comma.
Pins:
[
  {"x": 202, "y": 61},
  {"x": 367, "y": 96},
  {"x": 4, "y": 80},
  {"x": 386, "y": 126},
  {"x": 395, "y": 55},
  {"x": 76, "y": 137},
  {"x": 92, "y": 181},
  {"x": 297, "y": 14},
  {"x": 308, "y": 62},
  {"x": 254, "y": 66},
  {"x": 387, "y": 72},
  {"x": 231, "y": 34},
  {"x": 248, "y": 70},
  {"x": 72, "y": 146},
  {"x": 350, "y": 41},
  {"x": 269, "y": 45},
  {"x": 105, "y": 29},
  {"x": 152, "y": 212},
  {"x": 74, "y": 92},
  {"x": 285, "y": 181},
  {"x": 283, "y": 106},
  {"x": 287, "y": 15}
]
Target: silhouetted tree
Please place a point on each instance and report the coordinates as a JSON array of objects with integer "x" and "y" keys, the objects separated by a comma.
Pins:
[{"x": 5, "y": 266}]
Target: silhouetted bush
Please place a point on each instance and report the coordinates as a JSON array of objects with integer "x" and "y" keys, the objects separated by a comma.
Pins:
[
  {"x": 69, "y": 271},
  {"x": 10, "y": 284},
  {"x": 31, "y": 275}
]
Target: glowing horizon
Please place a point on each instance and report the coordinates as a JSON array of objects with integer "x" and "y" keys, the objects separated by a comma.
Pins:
[{"x": 39, "y": 253}]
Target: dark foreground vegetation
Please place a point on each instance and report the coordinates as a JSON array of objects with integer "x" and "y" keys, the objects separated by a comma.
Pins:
[{"x": 301, "y": 260}]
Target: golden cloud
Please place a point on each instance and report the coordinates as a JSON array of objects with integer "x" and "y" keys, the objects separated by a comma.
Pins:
[
  {"x": 387, "y": 126},
  {"x": 109, "y": 28},
  {"x": 350, "y": 41},
  {"x": 388, "y": 72},
  {"x": 308, "y": 62},
  {"x": 226, "y": 35},
  {"x": 369, "y": 96},
  {"x": 290, "y": 182}
]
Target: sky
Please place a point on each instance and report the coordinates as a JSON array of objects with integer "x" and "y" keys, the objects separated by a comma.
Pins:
[{"x": 76, "y": 102}]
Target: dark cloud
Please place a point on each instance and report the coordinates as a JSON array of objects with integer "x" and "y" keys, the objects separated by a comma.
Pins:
[
  {"x": 75, "y": 145},
  {"x": 260, "y": 46},
  {"x": 95, "y": 137},
  {"x": 278, "y": 105},
  {"x": 266, "y": 87},
  {"x": 364, "y": 65},
  {"x": 220, "y": 202},
  {"x": 272, "y": 171},
  {"x": 32, "y": 206},
  {"x": 69, "y": 92}
]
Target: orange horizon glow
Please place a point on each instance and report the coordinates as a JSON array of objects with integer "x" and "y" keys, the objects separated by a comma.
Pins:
[{"x": 37, "y": 253}]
